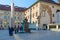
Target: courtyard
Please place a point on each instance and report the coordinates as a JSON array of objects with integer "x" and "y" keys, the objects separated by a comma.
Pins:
[{"x": 34, "y": 35}]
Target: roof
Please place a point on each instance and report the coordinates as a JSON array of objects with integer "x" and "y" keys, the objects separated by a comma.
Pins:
[
  {"x": 48, "y": 1},
  {"x": 8, "y": 8}
]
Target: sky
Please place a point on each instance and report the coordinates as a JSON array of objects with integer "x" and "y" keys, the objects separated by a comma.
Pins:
[{"x": 20, "y": 3}]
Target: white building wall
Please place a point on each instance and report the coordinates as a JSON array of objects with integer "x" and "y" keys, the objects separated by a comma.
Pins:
[
  {"x": 45, "y": 20},
  {"x": 58, "y": 17},
  {"x": 53, "y": 13}
]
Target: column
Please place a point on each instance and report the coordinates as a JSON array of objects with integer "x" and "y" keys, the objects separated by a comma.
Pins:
[
  {"x": 11, "y": 17},
  {"x": 56, "y": 27},
  {"x": 47, "y": 27}
]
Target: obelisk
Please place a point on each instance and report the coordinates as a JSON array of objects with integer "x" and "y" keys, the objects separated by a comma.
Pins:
[{"x": 12, "y": 12}]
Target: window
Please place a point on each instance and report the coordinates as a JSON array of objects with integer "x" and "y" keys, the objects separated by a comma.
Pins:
[
  {"x": 33, "y": 7},
  {"x": 8, "y": 25},
  {"x": 18, "y": 23},
  {"x": 4, "y": 25},
  {"x": 5, "y": 17},
  {"x": 8, "y": 12},
  {"x": 53, "y": 15},
  {"x": 5, "y": 13},
  {"x": 15, "y": 12},
  {"x": 33, "y": 22},
  {"x": 15, "y": 17},
  {"x": 37, "y": 5},
  {"x": 43, "y": 14},
  {"x": 36, "y": 14},
  {"x": 33, "y": 15},
  {"x": 18, "y": 17},
  {"x": 27, "y": 17},
  {"x": 18, "y": 13},
  {"x": 53, "y": 22},
  {"x": 8, "y": 16},
  {"x": 52, "y": 6}
]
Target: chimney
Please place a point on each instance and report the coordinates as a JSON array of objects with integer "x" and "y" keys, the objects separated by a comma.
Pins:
[{"x": 59, "y": 1}]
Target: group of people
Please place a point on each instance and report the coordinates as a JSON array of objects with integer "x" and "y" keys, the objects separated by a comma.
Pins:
[
  {"x": 14, "y": 29},
  {"x": 1, "y": 27},
  {"x": 24, "y": 27}
]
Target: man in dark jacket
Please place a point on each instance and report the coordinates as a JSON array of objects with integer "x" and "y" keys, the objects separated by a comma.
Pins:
[{"x": 11, "y": 31}]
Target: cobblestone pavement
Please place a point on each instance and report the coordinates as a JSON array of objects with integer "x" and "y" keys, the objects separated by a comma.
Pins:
[
  {"x": 40, "y": 35},
  {"x": 4, "y": 35},
  {"x": 34, "y": 35}
]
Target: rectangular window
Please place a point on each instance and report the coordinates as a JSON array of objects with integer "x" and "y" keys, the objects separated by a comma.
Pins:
[
  {"x": 15, "y": 17},
  {"x": 15, "y": 12},
  {"x": 53, "y": 15},
  {"x": 53, "y": 22},
  {"x": 37, "y": 5},
  {"x": 18, "y": 17},
  {"x": 43, "y": 14},
  {"x": 52, "y": 6},
  {"x": 5, "y": 13},
  {"x": 8, "y": 16},
  {"x": 33, "y": 15},
  {"x": 8, "y": 13},
  {"x": 36, "y": 14},
  {"x": 18, "y": 13},
  {"x": 27, "y": 17},
  {"x": 5, "y": 17},
  {"x": 33, "y": 7}
]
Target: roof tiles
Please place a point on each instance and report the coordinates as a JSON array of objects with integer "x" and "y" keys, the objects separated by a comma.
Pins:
[{"x": 8, "y": 8}]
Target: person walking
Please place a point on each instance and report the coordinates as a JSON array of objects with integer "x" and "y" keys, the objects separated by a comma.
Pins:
[{"x": 11, "y": 31}]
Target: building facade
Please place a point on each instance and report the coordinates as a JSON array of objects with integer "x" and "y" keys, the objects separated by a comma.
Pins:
[
  {"x": 5, "y": 13},
  {"x": 43, "y": 12}
]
